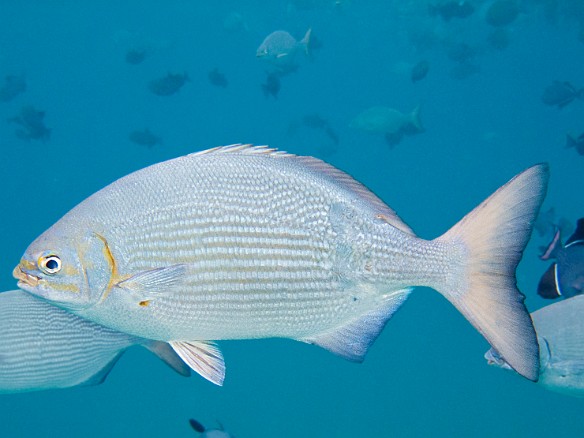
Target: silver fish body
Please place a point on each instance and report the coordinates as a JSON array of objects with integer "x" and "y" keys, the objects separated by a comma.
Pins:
[
  {"x": 44, "y": 347},
  {"x": 560, "y": 333},
  {"x": 241, "y": 242}
]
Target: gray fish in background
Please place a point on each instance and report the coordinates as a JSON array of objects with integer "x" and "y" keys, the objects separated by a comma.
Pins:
[
  {"x": 502, "y": 13},
  {"x": 420, "y": 70},
  {"x": 217, "y": 78},
  {"x": 169, "y": 84},
  {"x": 561, "y": 94},
  {"x": 280, "y": 49},
  {"x": 32, "y": 123},
  {"x": 272, "y": 85},
  {"x": 390, "y": 122},
  {"x": 560, "y": 334},
  {"x": 576, "y": 142},
  {"x": 565, "y": 277},
  {"x": 209, "y": 433},
  {"x": 241, "y": 242},
  {"x": 12, "y": 87},
  {"x": 144, "y": 137},
  {"x": 451, "y": 9},
  {"x": 44, "y": 347}
]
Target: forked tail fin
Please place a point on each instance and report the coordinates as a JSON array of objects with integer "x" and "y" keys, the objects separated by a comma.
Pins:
[{"x": 489, "y": 242}]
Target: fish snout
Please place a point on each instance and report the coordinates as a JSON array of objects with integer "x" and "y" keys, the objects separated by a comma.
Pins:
[{"x": 25, "y": 278}]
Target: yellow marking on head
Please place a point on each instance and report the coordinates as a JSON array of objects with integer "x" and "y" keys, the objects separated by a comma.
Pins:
[
  {"x": 65, "y": 287},
  {"x": 115, "y": 276},
  {"x": 144, "y": 303}
]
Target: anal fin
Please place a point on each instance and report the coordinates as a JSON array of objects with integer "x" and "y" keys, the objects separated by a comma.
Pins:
[
  {"x": 203, "y": 357},
  {"x": 352, "y": 340}
]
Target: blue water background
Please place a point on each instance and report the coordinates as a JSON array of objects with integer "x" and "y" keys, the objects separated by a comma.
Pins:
[{"x": 425, "y": 375}]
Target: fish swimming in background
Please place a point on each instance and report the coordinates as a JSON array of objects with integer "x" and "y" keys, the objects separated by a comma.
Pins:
[
  {"x": 565, "y": 277},
  {"x": 44, "y": 347},
  {"x": 280, "y": 49},
  {"x": 547, "y": 224},
  {"x": 169, "y": 84},
  {"x": 12, "y": 87},
  {"x": 272, "y": 85},
  {"x": 389, "y": 121},
  {"x": 576, "y": 142},
  {"x": 451, "y": 9},
  {"x": 32, "y": 123},
  {"x": 209, "y": 433},
  {"x": 241, "y": 242},
  {"x": 561, "y": 94},
  {"x": 502, "y": 13},
  {"x": 217, "y": 78},
  {"x": 560, "y": 334},
  {"x": 420, "y": 70},
  {"x": 145, "y": 137}
]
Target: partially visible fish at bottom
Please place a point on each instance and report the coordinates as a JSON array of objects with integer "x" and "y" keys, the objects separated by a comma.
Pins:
[
  {"x": 44, "y": 347},
  {"x": 560, "y": 333}
]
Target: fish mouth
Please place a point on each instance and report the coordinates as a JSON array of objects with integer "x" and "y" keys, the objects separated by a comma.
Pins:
[{"x": 24, "y": 278}]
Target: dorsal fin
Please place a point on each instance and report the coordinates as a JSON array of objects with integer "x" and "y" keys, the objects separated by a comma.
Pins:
[
  {"x": 578, "y": 236},
  {"x": 322, "y": 170}
]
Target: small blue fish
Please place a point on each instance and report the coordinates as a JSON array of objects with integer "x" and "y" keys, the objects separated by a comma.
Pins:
[
  {"x": 45, "y": 347},
  {"x": 565, "y": 277}
]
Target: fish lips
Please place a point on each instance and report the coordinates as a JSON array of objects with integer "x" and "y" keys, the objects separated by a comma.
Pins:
[{"x": 25, "y": 280}]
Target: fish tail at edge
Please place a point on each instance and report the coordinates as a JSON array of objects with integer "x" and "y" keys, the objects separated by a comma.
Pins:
[{"x": 490, "y": 241}]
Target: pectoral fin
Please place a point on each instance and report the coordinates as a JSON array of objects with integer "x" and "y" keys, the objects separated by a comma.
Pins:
[
  {"x": 154, "y": 283},
  {"x": 203, "y": 357}
]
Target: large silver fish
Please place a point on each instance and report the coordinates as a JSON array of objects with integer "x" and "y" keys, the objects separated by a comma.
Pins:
[
  {"x": 244, "y": 242},
  {"x": 44, "y": 347},
  {"x": 560, "y": 333}
]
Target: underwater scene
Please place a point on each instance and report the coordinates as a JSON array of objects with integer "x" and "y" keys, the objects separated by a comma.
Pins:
[{"x": 432, "y": 105}]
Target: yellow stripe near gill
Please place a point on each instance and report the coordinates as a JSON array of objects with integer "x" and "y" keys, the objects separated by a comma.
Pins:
[{"x": 115, "y": 276}]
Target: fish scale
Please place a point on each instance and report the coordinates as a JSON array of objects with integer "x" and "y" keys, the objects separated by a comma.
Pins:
[{"x": 245, "y": 242}]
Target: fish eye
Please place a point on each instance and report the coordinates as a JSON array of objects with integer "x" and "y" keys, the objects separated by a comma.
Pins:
[{"x": 49, "y": 263}]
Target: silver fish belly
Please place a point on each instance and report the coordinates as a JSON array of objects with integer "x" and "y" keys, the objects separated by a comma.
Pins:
[{"x": 248, "y": 242}]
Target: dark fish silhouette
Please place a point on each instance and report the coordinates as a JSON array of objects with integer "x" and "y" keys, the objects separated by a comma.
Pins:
[
  {"x": 135, "y": 56},
  {"x": 565, "y": 277},
  {"x": 452, "y": 9},
  {"x": 419, "y": 71},
  {"x": 145, "y": 137},
  {"x": 317, "y": 122},
  {"x": 169, "y": 84},
  {"x": 272, "y": 85},
  {"x": 502, "y": 13},
  {"x": 217, "y": 78},
  {"x": 32, "y": 123},
  {"x": 547, "y": 224},
  {"x": 576, "y": 142},
  {"x": 209, "y": 433},
  {"x": 13, "y": 86},
  {"x": 561, "y": 94}
]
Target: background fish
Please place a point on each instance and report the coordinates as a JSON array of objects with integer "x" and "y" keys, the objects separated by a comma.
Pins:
[
  {"x": 561, "y": 94},
  {"x": 565, "y": 277},
  {"x": 244, "y": 242},
  {"x": 169, "y": 84},
  {"x": 560, "y": 333},
  {"x": 390, "y": 122},
  {"x": 44, "y": 347},
  {"x": 209, "y": 433},
  {"x": 280, "y": 48}
]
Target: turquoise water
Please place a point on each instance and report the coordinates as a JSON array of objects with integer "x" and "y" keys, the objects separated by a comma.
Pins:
[{"x": 425, "y": 375}]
